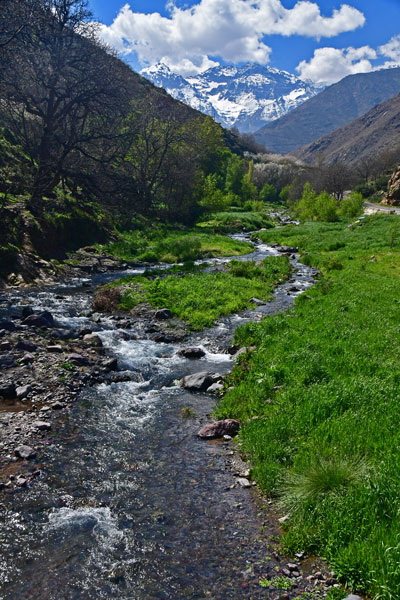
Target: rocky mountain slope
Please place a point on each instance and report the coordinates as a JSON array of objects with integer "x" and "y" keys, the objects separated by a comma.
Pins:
[
  {"x": 368, "y": 136},
  {"x": 337, "y": 105},
  {"x": 245, "y": 97}
]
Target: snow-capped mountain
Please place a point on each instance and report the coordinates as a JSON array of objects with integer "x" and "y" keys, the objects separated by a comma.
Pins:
[{"x": 245, "y": 97}]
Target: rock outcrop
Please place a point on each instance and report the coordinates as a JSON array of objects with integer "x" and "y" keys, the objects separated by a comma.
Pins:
[{"x": 392, "y": 197}]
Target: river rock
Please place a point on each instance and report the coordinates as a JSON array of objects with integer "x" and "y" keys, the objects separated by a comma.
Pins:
[
  {"x": 192, "y": 352},
  {"x": 26, "y": 311},
  {"x": 56, "y": 349},
  {"x": 353, "y": 597},
  {"x": 257, "y": 301},
  {"x": 8, "y": 361},
  {"x": 44, "y": 319},
  {"x": 7, "y": 324},
  {"x": 199, "y": 382},
  {"x": 163, "y": 313},
  {"x": 287, "y": 249},
  {"x": 219, "y": 428},
  {"x": 7, "y": 390},
  {"x": 215, "y": 387},
  {"x": 77, "y": 359},
  {"x": 5, "y": 346},
  {"x": 41, "y": 425},
  {"x": 27, "y": 359},
  {"x": 22, "y": 391},
  {"x": 92, "y": 339},
  {"x": 26, "y": 345},
  {"x": 110, "y": 364},
  {"x": 24, "y": 451},
  {"x": 243, "y": 482}
]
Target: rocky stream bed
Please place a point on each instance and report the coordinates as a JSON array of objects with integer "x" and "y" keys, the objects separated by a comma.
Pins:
[{"x": 106, "y": 490}]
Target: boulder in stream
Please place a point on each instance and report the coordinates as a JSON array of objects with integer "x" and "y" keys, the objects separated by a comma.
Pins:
[
  {"x": 44, "y": 319},
  {"x": 199, "y": 382},
  {"x": 219, "y": 428},
  {"x": 192, "y": 352}
]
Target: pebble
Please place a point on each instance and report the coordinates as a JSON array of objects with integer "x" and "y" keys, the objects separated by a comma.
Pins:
[
  {"x": 41, "y": 425},
  {"x": 243, "y": 482},
  {"x": 25, "y": 452}
]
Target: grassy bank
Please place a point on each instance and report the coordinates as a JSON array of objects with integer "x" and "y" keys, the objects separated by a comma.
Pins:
[
  {"x": 201, "y": 298},
  {"x": 324, "y": 384},
  {"x": 229, "y": 222},
  {"x": 163, "y": 245}
]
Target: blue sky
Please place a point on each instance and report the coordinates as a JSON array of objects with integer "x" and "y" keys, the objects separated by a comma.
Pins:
[{"x": 320, "y": 40}]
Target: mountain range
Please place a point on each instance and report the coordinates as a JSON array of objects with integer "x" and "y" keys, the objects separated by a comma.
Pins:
[
  {"x": 364, "y": 138},
  {"x": 331, "y": 109},
  {"x": 245, "y": 97}
]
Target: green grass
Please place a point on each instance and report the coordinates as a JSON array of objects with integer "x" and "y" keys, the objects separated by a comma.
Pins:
[
  {"x": 164, "y": 245},
  {"x": 237, "y": 221},
  {"x": 201, "y": 298},
  {"x": 324, "y": 384}
]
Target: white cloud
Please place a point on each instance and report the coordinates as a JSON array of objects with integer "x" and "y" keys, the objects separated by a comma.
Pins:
[
  {"x": 232, "y": 30},
  {"x": 329, "y": 65},
  {"x": 391, "y": 50}
]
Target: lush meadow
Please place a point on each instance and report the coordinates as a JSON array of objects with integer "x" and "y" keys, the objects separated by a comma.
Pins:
[{"x": 324, "y": 384}]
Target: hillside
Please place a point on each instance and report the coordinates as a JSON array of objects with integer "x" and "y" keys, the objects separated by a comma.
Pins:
[
  {"x": 245, "y": 97},
  {"x": 337, "y": 105},
  {"x": 365, "y": 137}
]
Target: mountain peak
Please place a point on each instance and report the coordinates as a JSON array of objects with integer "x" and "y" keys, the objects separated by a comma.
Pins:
[{"x": 246, "y": 96}]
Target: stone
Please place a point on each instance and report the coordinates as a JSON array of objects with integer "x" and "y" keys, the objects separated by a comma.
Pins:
[
  {"x": 93, "y": 340},
  {"x": 27, "y": 358},
  {"x": 198, "y": 382},
  {"x": 219, "y": 428},
  {"x": 5, "y": 346},
  {"x": 56, "y": 349},
  {"x": 41, "y": 425},
  {"x": 77, "y": 359},
  {"x": 21, "y": 481},
  {"x": 243, "y": 482},
  {"x": 353, "y": 597},
  {"x": 192, "y": 352},
  {"x": 25, "y": 452},
  {"x": 22, "y": 391},
  {"x": 111, "y": 364},
  {"x": 57, "y": 405},
  {"x": 257, "y": 301},
  {"x": 26, "y": 345},
  {"x": 44, "y": 319},
  {"x": 8, "y": 361},
  {"x": 287, "y": 249},
  {"x": 7, "y": 324},
  {"x": 215, "y": 387},
  {"x": 163, "y": 313},
  {"x": 7, "y": 391},
  {"x": 26, "y": 311}
]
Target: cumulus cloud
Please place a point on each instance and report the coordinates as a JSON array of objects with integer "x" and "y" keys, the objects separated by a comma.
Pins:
[
  {"x": 189, "y": 39},
  {"x": 391, "y": 50},
  {"x": 329, "y": 65}
]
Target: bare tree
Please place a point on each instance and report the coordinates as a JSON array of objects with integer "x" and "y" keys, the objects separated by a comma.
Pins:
[{"x": 60, "y": 90}]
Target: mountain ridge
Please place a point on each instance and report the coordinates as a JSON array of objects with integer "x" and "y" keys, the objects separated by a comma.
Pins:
[
  {"x": 364, "y": 138},
  {"x": 331, "y": 109},
  {"x": 245, "y": 97}
]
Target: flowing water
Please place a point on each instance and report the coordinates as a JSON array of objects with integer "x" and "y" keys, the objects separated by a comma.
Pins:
[{"x": 133, "y": 505}]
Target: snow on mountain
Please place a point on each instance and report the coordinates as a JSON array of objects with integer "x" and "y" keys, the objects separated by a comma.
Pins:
[{"x": 245, "y": 97}]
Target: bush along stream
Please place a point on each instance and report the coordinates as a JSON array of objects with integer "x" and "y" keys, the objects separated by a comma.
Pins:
[{"x": 107, "y": 490}]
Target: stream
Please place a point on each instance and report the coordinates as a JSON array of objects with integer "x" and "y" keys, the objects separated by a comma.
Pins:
[{"x": 133, "y": 505}]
